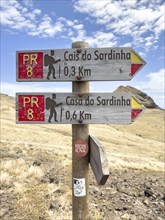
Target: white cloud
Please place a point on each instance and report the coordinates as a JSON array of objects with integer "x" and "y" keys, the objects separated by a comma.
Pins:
[
  {"x": 155, "y": 82},
  {"x": 79, "y": 26},
  {"x": 90, "y": 6},
  {"x": 46, "y": 28},
  {"x": 126, "y": 45},
  {"x": 28, "y": 3},
  {"x": 118, "y": 19},
  {"x": 142, "y": 54},
  {"x": 37, "y": 11},
  {"x": 21, "y": 16},
  {"x": 102, "y": 39},
  {"x": 70, "y": 23},
  {"x": 159, "y": 25},
  {"x": 12, "y": 88},
  {"x": 159, "y": 100},
  {"x": 127, "y": 18}
]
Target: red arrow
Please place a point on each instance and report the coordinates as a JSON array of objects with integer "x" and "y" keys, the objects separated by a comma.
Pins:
[{"x": 135, "y": 68}]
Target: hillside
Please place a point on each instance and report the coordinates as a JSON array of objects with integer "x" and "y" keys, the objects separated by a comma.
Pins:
[
  {"x": 36, "y": 169},
  {"x": 143, "y": 98}
]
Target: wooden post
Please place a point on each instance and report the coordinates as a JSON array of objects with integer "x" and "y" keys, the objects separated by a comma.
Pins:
[{"x": 80, "y": 165}]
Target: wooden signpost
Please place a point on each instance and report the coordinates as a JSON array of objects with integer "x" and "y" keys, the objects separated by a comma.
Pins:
[
  {"x": 85, "y": 64},
  {"x": 79, "y": 108},
  {"x": 80, "y": 165}
]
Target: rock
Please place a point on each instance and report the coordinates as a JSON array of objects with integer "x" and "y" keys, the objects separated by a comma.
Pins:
[
  {"x": 95, "y": 190},
  {"x": 119, "y": 206},
  {"x": 147, "y": 185},
  {"x": 119, "y": 189},
  {"x": 54, "y": 205},
  {"x": 163, "y": 198},
  {"x": 143, "y": 98},
  {"x": 45, "y": 180},
  {"x": 123, "y": 199},
  {"x": 36, "y": 163},
  {"x": 60, "y": 191},
  {"x": 146, "y": 202},
  {"x": 141, "y": 194},
  {"x": 54, "y": 180},
  {"x": 148, "y": 193},
  {"x": 52, "y": 176},
  {"x": 125, "y": 216},
  {"x": 4, "y": 211},
  {"x": 125, "y": 208}
]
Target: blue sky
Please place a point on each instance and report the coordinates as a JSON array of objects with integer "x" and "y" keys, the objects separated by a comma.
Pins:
[{"x": 38, "y": 24}]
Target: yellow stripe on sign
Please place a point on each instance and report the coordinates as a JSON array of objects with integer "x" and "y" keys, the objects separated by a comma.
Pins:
[
  {"x": 135, "y": 104},
  {"x": 135, "y": 58}
]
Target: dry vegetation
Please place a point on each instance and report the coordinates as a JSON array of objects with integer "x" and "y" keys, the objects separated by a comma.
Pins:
[{"x": 36, "y": 161}]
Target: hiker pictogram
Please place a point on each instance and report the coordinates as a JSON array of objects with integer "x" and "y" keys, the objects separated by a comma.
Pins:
[
  {"x": 50, "y": 61},
  {"x": 52, "y": 105}
]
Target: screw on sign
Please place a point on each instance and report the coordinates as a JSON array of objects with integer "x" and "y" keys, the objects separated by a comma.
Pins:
[{"x": 80, "y": 148}]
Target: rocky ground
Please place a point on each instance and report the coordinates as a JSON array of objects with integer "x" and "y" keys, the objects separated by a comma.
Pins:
[{"x": 128, "y": 194}]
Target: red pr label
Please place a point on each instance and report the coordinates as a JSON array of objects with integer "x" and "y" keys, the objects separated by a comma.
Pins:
[
  {"x": 30, "y": 65},
  {"x": 31, "y": 108},
  {"x": 80, "y": 148}
]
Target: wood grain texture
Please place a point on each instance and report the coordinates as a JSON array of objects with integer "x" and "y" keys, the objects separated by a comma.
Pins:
[
  {"x": 86, "y": 108},
  {"x": 80, "y": 166},
  {"x": 88, "y": 65},
  {"x": 98, "y": 160}
]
